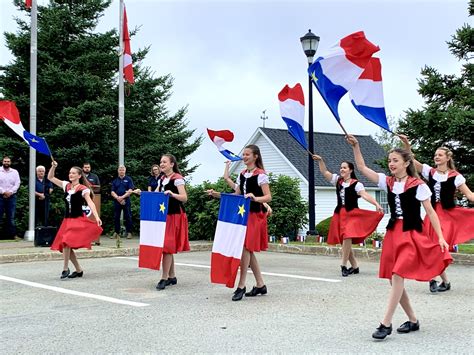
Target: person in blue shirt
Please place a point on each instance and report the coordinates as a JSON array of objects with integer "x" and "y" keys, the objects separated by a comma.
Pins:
[
  {"x": 122, "y": 188},
  {"x": 154, "y": 178},
  {"x": 43, "y": 191}
]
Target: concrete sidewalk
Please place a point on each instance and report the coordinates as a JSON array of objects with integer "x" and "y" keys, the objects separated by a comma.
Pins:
[{"x": 21, "y": 251}]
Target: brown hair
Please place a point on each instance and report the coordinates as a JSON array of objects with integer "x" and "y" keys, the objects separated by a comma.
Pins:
[
  {"x": 407, "y": 156},
  {"x": 449, "y": 154},
  {"x": 173, "y": 160},
  {"x": 351, "y": 166},
  {"x": 256, "y": 151},
  {"x": 153, "y": 166},
  {"x": 83, "y": 180}
]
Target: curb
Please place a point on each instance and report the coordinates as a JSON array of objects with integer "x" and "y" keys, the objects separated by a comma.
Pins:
[{"x": 361, "y": 253}]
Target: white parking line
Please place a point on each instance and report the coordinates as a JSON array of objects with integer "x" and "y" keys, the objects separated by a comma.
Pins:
[
  {"x": 263, "y": 273},
  {"x": 72, "y": 292}
]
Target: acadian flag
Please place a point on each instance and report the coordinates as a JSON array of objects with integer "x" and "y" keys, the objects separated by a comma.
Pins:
[
  {"x": 335, "y": 72},
  {"x": 229, "y": 238},
  {"x": 10, "y": 115},
  {"x": 127, "y": 52},
  {"x": 221, "y": 137},
  {"x": 153, "y": 212},
  {"x": 367, "y": 94},
  {"x": 292, "y": 111}
]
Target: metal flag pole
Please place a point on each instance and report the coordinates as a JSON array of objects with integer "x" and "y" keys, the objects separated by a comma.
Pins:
[
  {"x": 121, "y": 122},
  {"x": 30, "y": 233}
]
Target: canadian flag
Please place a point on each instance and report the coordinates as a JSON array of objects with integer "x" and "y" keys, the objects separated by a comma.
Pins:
[
  {"x": 127, "y": 52},
  {"x": 28, "y": 4}
]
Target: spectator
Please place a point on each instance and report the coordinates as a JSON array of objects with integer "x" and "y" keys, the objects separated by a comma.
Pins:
[
  {"x": 154, "y": 178},
  {"x": 122, "y": 188},
  {"x": 95, "y": 185},
  {"x": 9, "y": 184},
  {"x": 43, "y": 191}
]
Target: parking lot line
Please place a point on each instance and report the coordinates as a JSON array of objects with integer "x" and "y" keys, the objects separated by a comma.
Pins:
[
  {"x": 72, "y": 292},
  {"x": 301, "y": 277}
]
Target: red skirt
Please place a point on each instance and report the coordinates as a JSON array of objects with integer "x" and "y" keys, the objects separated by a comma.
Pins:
[
  {"x": 457, "y": 225},
  {"x": 76, "y": 233},
  {"x": 176, "y": 234},
  {"x": 256, "y": 238},
  {"x": 411, "y": 255},
  {"x": 356, "y": 224}
]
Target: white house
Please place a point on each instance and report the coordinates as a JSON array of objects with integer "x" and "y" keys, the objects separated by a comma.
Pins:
[{"x": 282, "y": 155}]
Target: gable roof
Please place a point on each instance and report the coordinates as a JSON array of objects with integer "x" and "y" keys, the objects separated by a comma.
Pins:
[{"x": 331, "y": 146}]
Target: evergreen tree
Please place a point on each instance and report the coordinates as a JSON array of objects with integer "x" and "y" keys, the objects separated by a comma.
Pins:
[
  {"x": 77, "y": 106},
  {"x": 447, "y": 119}
]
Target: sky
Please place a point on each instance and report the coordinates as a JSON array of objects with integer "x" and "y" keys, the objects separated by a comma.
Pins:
[{"x": 229, "y": 59}]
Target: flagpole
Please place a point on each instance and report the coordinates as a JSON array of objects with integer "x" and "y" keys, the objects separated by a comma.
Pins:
[
  {"x": 30, "y": 233},
  {"x": 121, "y": 106}
]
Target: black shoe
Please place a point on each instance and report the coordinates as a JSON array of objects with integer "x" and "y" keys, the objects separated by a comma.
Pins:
[
  {"x": 444, "y": 286},
  {"x": 382, "y": 332},
  {"x": 64, "y": 274},
  {"x": 408, "y": 327},
  {"x": 171, "y": 281},
  {"x": 344, "y": 271},
  {"x": 256, "y": 291},
  {"x": 351, "y": 270},
  {"x": 162, "y": 284},
  {"x": 76, "y": 274},
  {"x": 433, "y": 286},
  {"x": 238, "y": 294}
]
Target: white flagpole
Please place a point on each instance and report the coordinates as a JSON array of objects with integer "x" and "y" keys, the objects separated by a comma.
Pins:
[
  {"x": 121, "y": 122},
  {"x": 30, "y": 233}
]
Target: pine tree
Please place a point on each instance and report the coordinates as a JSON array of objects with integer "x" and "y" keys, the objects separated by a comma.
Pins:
[
  {"x": 447, "y": 119},
  {"x": 77, "y": 108}
]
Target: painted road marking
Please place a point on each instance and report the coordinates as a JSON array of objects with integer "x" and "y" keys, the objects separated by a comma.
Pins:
[
  {"x": 301, "y": 277},
  {"x": 72, "y": 292}
]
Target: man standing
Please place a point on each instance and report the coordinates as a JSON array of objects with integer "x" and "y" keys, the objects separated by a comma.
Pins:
[
  {"x": 9, "y": 184},
  {"x": 43, "y": 191},
  {"x": 122, "y": 188},
  {"x": 95, "y": 184}
]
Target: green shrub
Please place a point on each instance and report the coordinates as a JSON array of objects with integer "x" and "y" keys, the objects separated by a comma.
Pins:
[{"x": 323, "y": 227}]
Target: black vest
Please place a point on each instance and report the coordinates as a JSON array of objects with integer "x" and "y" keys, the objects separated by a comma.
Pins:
[
  {"x": 350, "y": 196},
  {"x": 76, "y": 203},
  {"x": 410, "y": 210},
  {"x": 174, "y": 206},
  {"x": 251, "y": 186},
  {"x": 446, "y": 193}
]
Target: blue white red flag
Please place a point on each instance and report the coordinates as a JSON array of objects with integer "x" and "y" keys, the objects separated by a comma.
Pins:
[
  {"x": 367, "y": 94},
  {"x": 221, "y": 137},
  {"x": 153, "y": 213},
  {"x": 11, "y": 116},
  {"x": 292, "y": 111},
  {"x": 335, "y": 72},
  {"x": 229, "y": 238}
]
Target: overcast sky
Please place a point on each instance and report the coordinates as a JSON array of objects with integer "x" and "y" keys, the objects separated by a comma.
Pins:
[{"x": 229, "y": 59}]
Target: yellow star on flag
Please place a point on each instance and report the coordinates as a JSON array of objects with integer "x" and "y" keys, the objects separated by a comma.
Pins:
[
  {"x": 315, "y": 79},
  {"x": 241, "y": 210},
  {"x": 162, "y": 207}
]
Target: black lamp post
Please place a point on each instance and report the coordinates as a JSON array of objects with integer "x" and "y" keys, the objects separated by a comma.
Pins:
[{"x": 310, "y": 44}]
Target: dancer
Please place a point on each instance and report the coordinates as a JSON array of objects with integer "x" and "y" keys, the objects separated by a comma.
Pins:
[
  {"x": 349, "y": 224},
  {"x": 253, "y": 183},
  {"x": 456, "y": 222},
  {"x": 176, "y": 233},
  {"x": 407, "y": 253},
  {"x": 76, "y": 231}
]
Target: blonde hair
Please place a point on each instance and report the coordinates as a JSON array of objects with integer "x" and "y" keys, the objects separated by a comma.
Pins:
[{"x": 449, "y": 154}]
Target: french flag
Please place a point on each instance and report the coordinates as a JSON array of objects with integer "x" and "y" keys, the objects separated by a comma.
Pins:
[
  {"x": 335, "y": 72},
  {"x": 292, "y": 111},
  {"x": 367, "y": 94},
  {"x": 229, "y": 238},
  {"x": 221, "y": 137},
  {"x": 11, "y": 116},
  {"x": 153, "y": 212}
]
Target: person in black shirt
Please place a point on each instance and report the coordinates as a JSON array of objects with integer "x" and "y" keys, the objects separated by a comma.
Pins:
[
  {"x": 43, "y": 190},
  {"x": 154, "y": 178}
]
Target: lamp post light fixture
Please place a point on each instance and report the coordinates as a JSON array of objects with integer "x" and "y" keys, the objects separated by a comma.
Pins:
[{"x": 310, "y": 43}]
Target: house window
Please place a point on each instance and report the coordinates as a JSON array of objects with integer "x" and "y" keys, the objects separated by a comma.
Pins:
[{"x": 381, "y": 197}]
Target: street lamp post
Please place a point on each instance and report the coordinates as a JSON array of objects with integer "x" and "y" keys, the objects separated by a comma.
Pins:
[{"x": 310, "y": 44}]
